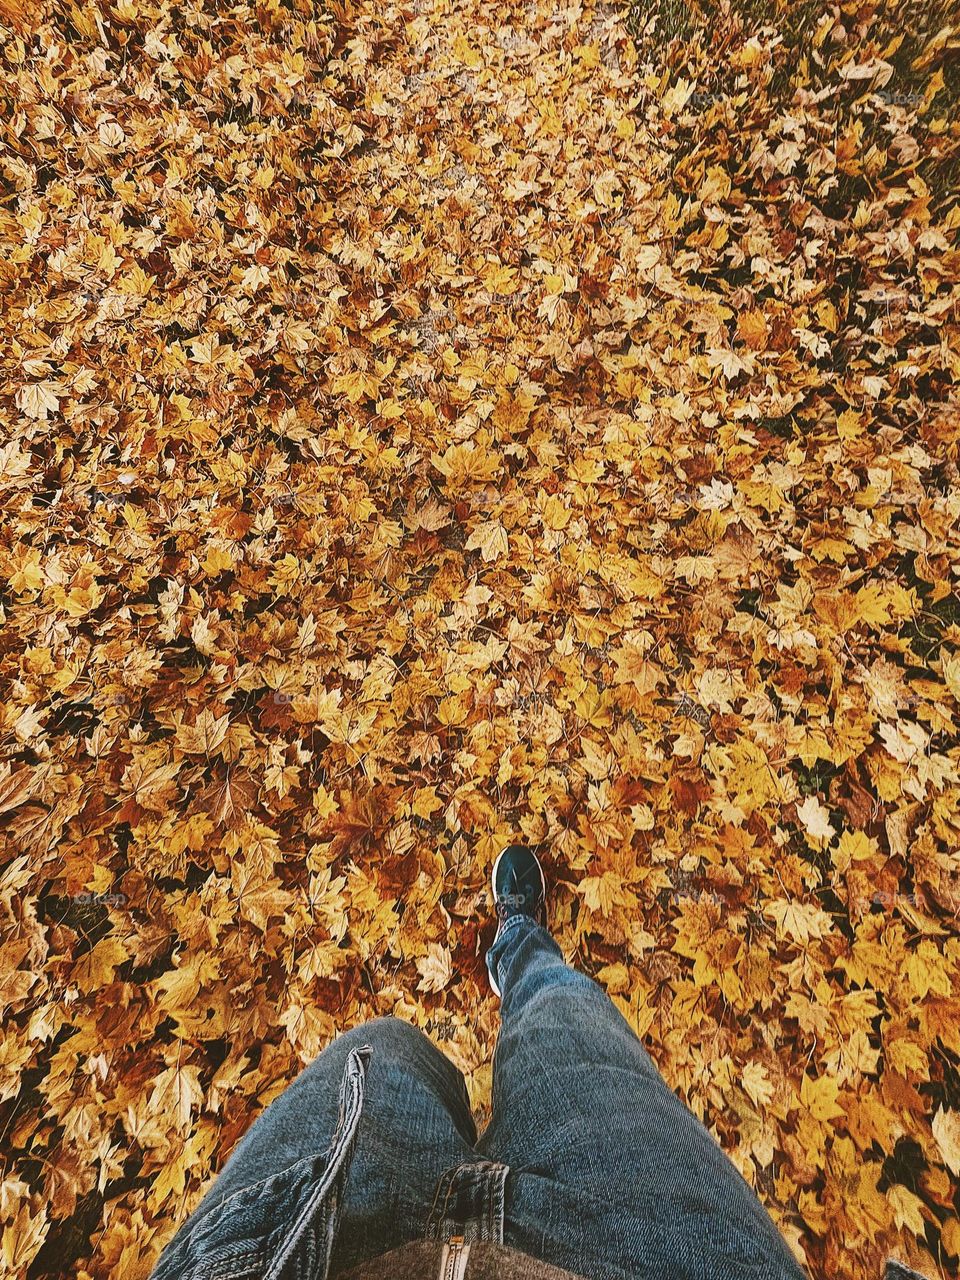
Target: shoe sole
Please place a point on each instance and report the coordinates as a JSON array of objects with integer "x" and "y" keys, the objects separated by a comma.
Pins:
[{"x": 493, "y": 890}]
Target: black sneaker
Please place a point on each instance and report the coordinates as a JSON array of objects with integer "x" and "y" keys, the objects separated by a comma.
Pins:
[{"x": 519, "y": 889}]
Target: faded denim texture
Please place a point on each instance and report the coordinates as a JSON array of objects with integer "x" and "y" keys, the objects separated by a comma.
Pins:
[{"x": 591, "y": 1162}]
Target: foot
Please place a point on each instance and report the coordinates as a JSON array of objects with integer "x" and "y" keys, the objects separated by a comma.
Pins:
[{"x": 519, "y": 889}]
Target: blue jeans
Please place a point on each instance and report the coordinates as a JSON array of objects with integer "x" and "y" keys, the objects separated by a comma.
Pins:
[{"x": 590, "y": 1162}]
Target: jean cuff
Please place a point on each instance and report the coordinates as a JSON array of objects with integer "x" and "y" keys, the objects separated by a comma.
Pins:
[{"x": 506, "y": 935}]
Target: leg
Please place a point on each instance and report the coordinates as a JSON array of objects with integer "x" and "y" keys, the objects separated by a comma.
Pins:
[
  {"x": 415, "y": 1123},
  {"x": 611, "y": 1175}
]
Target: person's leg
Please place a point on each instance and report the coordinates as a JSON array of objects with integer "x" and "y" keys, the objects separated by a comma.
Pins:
[
  {"x": 415, "y": 1123},
  {"x": 611, "y": 1176}
]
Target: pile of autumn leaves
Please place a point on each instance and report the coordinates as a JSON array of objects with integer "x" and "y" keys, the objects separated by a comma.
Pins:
[
  {"x": 834, "y": 128},
  {"x": 819, "y": 141}
]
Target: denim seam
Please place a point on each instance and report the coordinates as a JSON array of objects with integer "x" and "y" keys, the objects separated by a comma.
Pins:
[
  {"x": 252, "y": 1262},
  {"x": 501, "y": 1198},
  {"x": 327, "y": 1193},
  {"x": 240, "y": 1264},
  {"x": 228, "y": 1204},
  {"x": 437, "y": 1217}
]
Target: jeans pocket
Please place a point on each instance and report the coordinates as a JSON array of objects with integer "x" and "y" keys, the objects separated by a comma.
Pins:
[{"x": 283, "y": 1227}]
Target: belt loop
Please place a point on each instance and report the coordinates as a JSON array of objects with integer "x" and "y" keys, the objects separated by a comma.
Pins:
[{"x": 469, "y": 1203}]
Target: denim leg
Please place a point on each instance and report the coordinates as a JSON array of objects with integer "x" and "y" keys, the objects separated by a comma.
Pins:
[
  {"x": 611, "y": 1176},
  {"x": 414, "y": 1125}
]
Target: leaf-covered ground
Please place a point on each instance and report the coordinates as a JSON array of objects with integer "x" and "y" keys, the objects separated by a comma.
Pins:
[{"x": 432, "y": 424}]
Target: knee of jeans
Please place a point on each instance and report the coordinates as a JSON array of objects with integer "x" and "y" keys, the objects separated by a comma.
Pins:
[
  {"x": 387, "y": 1032},
  {"x": 572, "y": 1000},
  {"x": 399, "y": 1044},
  {"x": 564, "y": 981}
]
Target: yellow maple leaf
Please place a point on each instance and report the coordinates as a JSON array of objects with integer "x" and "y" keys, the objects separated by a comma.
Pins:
[
  {"x": 816, "y": 819},
  {"x": 512, "y": 412},
  {"x": 217, "y": 560},
  {"x": 820, "y": 1097},
  {"x": 604, "y": 891},
  {"x": 426, "y": 802},
  {"x": 28, "y": 576},
  {"x": 490, "y": 539},
  {"x": 950, "y": 665},
  {"x": 500, "y": 279},
  {"x": 798, "y": 920},
  {"x": 946, "y": 1132},
  {"x": 907, "y": 1208},
  {"x": 436, "y": 968},
  {"x": 465, "y": 53},
  {"x": 849, "y": 424},
  {"x": 554, "y": 513},
  {"x": 176, "y": 1091},
  {"x": 205, "y": 736},
  {"x": 853, "y": 846},
  {"x": 752, "y": 328},
  {"x": 756, "y": 1083},
  {"x": 39, "y": 399},
  {"x": 22, "y": 1237}
]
